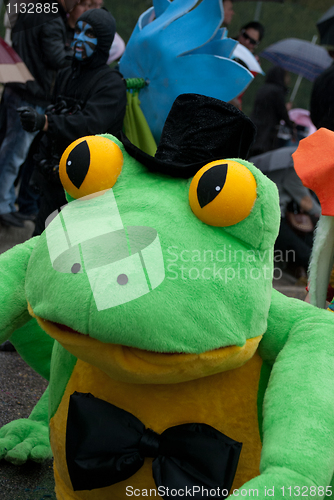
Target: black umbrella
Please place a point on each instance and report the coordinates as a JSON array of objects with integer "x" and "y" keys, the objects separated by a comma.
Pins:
[
  {"x": 298, "y": 56},
  {"x": 325, "y": 27}
]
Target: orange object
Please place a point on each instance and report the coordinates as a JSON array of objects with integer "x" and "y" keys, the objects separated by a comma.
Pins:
[{"x": 314, "y": 163}]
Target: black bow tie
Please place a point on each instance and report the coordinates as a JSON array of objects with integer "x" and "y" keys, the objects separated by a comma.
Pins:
[{"x": 106, "y": 445}]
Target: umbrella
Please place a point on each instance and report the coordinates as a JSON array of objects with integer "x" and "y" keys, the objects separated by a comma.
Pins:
[
  {"x": 298, "y": 56},
  {"x": 243, "y": 55},
  {"x": 302, "y": 117},
  {"x": 117, "y": 48},
  {"x": 274, "y": 160},
  {"x": 12, "y": 68},
  {"x": 325, "y": 27}
]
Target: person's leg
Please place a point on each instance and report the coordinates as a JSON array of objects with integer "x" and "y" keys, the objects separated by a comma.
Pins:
[
  {"x": 29, "y": 195},
  {"x": 14, "y": 150},
  {"x": 52, "y": 198}
]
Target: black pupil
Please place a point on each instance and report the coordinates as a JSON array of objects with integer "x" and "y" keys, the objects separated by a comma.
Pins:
[
  {"x": 77, "y": 164},
  {"x": 211, "y": 183}
]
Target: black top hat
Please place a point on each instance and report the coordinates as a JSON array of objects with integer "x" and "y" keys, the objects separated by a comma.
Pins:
[{"x": 198, "y": 130}]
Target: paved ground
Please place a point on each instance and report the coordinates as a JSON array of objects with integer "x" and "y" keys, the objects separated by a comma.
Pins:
[{"x": 21, "y": 388}]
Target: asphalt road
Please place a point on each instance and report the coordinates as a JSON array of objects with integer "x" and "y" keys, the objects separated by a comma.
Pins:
[{"x": 21, "y": 388}]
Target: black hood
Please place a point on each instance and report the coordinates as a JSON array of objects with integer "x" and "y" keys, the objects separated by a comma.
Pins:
[{"x": 104, "y": 26}]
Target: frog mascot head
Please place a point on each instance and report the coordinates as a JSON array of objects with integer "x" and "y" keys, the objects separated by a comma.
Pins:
[{"x": 156, "y": 283}]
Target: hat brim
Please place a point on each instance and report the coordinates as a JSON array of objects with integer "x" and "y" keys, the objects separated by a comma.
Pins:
[
  {"x": 162, "y": 167},
  {"x": 198, "y": 129}
]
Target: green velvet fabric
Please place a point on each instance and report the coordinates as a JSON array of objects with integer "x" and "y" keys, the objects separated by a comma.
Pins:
[
  {"x": 34, "y": 346},
  {"x": 298, "y": 410},
  {"x": 27, "y": 438},
  {"x": 263, "y": 383},
  {"x": 217, "y": 292},
  {"x": 13, "y": 266}
]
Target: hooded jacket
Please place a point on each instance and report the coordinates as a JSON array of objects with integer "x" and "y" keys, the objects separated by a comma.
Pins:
[
  {"x": 103, "y": 108},
  {"x": 322, "y": 99}
]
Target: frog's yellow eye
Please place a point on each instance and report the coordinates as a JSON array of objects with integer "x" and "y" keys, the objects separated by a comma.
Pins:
[
  {"x": 89, "y": 165},
  {"x": 222, "y": 193}
]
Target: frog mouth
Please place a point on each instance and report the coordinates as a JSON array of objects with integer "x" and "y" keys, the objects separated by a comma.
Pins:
[{"x": 134, "y": 365}]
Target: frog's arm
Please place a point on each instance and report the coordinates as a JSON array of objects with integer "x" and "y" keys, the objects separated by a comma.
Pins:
[
  {"x": 27, "y": 438},
  {"x": 298, "y": 413},
  {"x": 24, "y": 438},
  {"x": 13, "y": 268},
  {"x": 34, "y": 345}
]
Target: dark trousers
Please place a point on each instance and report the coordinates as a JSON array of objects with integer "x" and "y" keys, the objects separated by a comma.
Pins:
[
  {"x": 28, "y": 197},
  {"x": 52, "y": 197},
  {"x": 301, "y": 245}
]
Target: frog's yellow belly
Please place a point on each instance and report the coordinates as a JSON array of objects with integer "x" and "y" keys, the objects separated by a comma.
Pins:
[{"x": 226, "y": 401}]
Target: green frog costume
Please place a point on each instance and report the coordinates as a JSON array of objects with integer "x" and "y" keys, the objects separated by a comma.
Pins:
[{"x": 176, "y": 368}]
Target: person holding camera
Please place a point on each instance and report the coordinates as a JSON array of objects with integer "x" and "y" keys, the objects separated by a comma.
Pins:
[
  {"x": 39, "y": 38},
  {"x": 89, "y": 99}
]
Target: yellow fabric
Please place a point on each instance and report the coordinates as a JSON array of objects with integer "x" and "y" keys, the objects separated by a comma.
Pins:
[
  {"x": 128, "y": 364},
  {"x": 135, "y": 125},
  {"x": 226, "y": 401}
]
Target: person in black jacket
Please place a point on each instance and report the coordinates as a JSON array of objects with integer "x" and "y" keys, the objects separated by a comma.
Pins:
[
  {"x": 90, "y": 98},
  {"x": 322, "y": 100},
  {"x": 39, "y": 38},
  {"x": 269, "y": 109}
]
